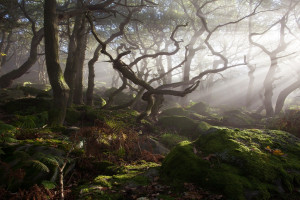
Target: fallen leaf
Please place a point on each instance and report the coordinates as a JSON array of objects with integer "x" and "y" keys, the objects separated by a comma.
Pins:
[{"x": 278, "y": 152}]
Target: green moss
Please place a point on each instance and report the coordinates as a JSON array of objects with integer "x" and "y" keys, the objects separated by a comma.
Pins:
[
  {"x": 238, "y": 118},
  {"x": 142, "y": 165},
  {"x": 170, "y": 139},
  {"x": 88, "y": 192},
  {"x": 233, "y": 162},
  {"x": 103, "y": 181},
  {"x": 27, "y": 106},
  {"x": 60, "y": 144},
  {"x": 73, "y": 116},
  {"x": 200, "y": 108},
  {"x": 175, "y": 111},
  {"x": 181, "y": 124},
  {"x": 203, "y": 126}
]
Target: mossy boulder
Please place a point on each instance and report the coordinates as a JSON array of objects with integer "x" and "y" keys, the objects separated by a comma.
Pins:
[
  {"x": 247, "y": 164},
  {"x": 120, "y": 98},
  {"x": 200, "y": 108},
  {"x": 181, "y": 124},
  {"x": 203, "y": 127},
  {"x": 73, "y": 115},
  {"x": 238, "y": 118},
  {"x": 27, "y": 106},
  {"x": 10, "y": 94},
  {"x": 33, "y": 91},
  {"x": 171, "y": 139},
  {"x": 175, "y": 111}
]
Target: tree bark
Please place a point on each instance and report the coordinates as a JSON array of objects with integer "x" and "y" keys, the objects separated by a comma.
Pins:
[
  {"x": 79, "y": 61},
  {"x": 56, "y": 78},
  {"x": 71, "y": 70},
  {"x": 283, "y": 95},
  {"x": 7, "y": 79},
  {"x": 268, "y": 86},
  {"x": 91, "y": 78}
]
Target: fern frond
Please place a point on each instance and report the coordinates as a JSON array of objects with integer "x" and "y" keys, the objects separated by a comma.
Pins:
[
  {"x": 38, "y": 165},
  {"x": 59, "y": 159},
  {"x": 49, "y": 161},
  {"x": 8, "y": 139}
]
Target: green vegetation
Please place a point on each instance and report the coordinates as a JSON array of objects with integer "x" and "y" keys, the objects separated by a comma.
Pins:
[
  {"x": 110, "y": 146},
  {"x": 236, "y": 162},
  {"x": 171, "y": 139}
]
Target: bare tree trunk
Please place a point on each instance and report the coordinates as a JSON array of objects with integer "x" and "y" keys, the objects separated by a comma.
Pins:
[
  {"x": 283, "y": 95},
  {"x": 250, "y": 85},
  {"x": 210, "y": 79},
  {"x": 250, "y": 67},
  {"x": 73, "y": 60},
  {"x": 159, "y": 99},
  {"x": 186, "y": 72},
  {"x": 169, "y": 64},
  {"x": 79, "y": 61},
  {"x": 5, "y": 58},
  {"x": 7, "y": 79},
  {"x": 268, "y": 86},
  {"x": 91, "y": 78},
  {"x": 56, "y": 78},
  {"x": 151, "y": 101}
]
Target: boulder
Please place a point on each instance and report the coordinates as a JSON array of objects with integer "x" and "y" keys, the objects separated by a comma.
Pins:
[
  {"x": 200, "y": 108},
  {"x": 238, "y": 118},
  {"x": 175, "y": 111},
  {"x": 153, "y": 146},
  {"x": 241, "y": 164},
  {"x": 181, "y": 124}
]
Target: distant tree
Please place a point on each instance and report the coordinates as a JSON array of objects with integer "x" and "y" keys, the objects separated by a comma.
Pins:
[{"x": 273, "y": 56}]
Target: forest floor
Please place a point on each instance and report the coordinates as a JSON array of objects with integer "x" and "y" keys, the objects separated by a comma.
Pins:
[{"x": 107, "y": 154}]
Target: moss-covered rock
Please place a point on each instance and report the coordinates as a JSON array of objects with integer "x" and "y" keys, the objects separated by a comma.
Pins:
[
  {"x": 33, "y": 91},
  {"x": 200, "y": 108},
  {"x": 247, "y": 164},
  {"x": 181, "y": 124},
  {"x": 120, "y": 98},
  {"x": 238, "y": 118},
  {"x": 73, "y": 115},
  {"x": 171, "y": 139},
  {"x": 27, "y": 106},
  {"x": 203, "y": 127},
  {"x": 175, "y": 111},
  {"x": 10, "y": 94}
]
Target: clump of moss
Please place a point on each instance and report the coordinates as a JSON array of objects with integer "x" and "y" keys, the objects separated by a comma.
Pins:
[
  {"x": 237, "y": 163},
  {"x": 238, "y": 118},
  {"x": 171, "y": 139},
  {"x": 184, "y": 125},
  {"x": 200, "y": 108},
  {"x": 203, "y": 127},
  {"x": 120, "y": 98},
  {"x": 27, "y": 106},
  {"x": 175, "y": 111},
  {"x": 72, "y": 115}
]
